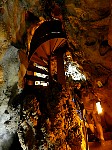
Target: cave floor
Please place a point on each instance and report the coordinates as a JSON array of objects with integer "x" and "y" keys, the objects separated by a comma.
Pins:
[
  {"x": 97, "y": 146},
  {"x": 107, "y": 145}
]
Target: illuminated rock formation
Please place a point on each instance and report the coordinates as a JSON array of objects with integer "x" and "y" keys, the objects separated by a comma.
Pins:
[{"x": 88, "y": 26}]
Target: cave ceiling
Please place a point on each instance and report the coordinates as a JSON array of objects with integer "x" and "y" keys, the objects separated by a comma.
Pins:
[{"x": 88, "y": 26}]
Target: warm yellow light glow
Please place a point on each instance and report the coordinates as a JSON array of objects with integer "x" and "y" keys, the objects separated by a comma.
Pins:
[
  {"x": 37, "y": 83},
  {"x": 40, "y": 75},
  {"x": 41, "y": 83},
  {"x": 44, "y": 84},
  {"x": 99, "y": 108}
]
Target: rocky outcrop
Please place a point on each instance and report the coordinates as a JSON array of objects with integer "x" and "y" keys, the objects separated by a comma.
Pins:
[
  {"x": 50, "y": 121},
  {"x": 9, "y": 66},
  {"x": 88, "y": 26}
]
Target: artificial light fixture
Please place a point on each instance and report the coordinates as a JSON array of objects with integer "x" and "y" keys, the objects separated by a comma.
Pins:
[{"x": 99, "y": 108}]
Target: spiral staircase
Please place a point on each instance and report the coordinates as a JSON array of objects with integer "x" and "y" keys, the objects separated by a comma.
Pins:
[{"x": 49, "y": 40}]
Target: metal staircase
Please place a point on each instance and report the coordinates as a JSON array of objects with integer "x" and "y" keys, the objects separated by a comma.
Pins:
[{"x": 48, "y": 39}]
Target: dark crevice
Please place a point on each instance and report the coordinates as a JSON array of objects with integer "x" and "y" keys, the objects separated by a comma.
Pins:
[{"x": 15, "y": 144}]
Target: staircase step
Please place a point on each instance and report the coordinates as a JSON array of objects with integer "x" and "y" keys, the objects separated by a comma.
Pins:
[
  {"x": 36, "y": 69},
  {"x": 35, "y": 78}
]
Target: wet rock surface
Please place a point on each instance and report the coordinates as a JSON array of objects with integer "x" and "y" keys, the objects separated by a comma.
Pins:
[{"x": 51, "y": 122}]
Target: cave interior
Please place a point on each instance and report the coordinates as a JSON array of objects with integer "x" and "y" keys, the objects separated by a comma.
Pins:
[{"x": 53, "y": 54}]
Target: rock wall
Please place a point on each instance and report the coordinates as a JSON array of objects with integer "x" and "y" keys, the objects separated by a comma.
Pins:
[
  {"x": 9, "y": 66},
  {"x": 50, "y": 121},
  {"x": 88, "y": 25}
]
